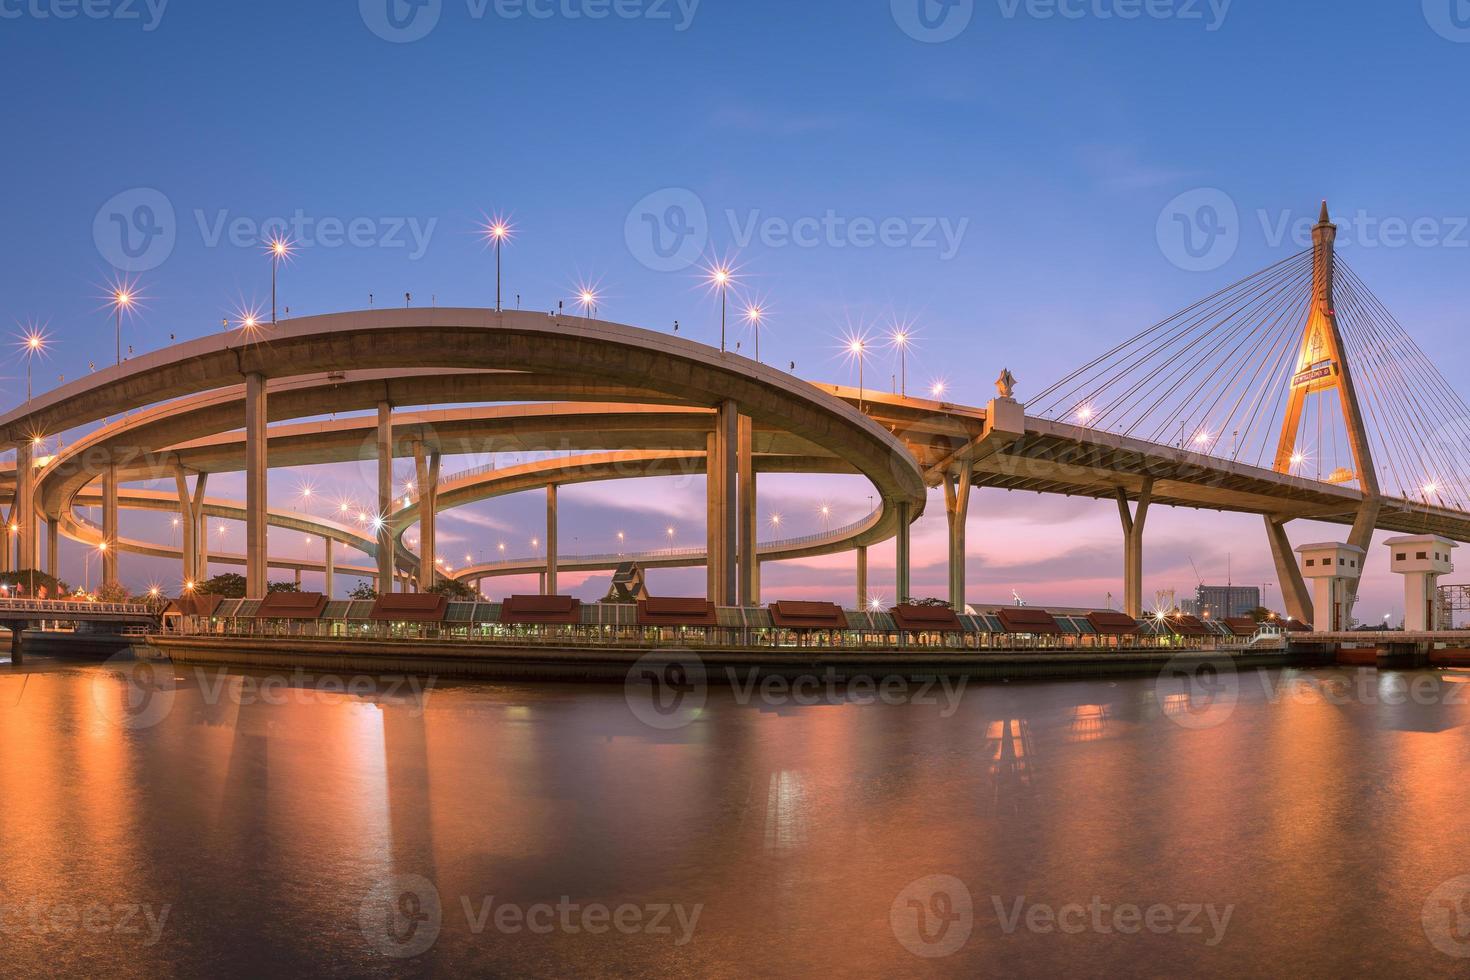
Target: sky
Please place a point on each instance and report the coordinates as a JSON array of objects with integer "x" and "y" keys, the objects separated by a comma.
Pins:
[{"x": 1023, "y": 182}]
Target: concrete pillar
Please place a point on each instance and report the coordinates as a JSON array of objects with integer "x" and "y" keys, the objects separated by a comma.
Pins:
[
  {"x": 1293, "y": 587},
  {"x": 1422, "y": 559},
  {"x": 12, "y": 545},
  {"x": 862, "y": 576},
  {"x": 188, "y": 550},
  {"x": 749, "y": 591},
  {"x": 426, "y": 473},
  {"x": 298, "y": 578},
  {"x": 53, "y": 541},
  {"x": 722, "y": 515},
  {"x": 1133, "y": 523},
  {"x": 385, "y": 495},
  {"x": 329, "y": 575},
  {"x": 541, "y": 577},
  {"x": 957, "y": 508},
  {"x": 109, "y": 525},
  {"x": 549, "y": 587},
  {"x": 201, "y": 529},
  {"x": 257, "y": 553},
  {"x": 903, "y": 582},
  {"x": 25, "y": 506}
]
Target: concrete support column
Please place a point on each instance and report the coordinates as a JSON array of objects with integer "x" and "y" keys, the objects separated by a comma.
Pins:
[
  {"x": 957, "y": 509},
  {"x": 862, "y": 576},
  {"x": 53, "y": 540},
  {"x": 298, "y": 579},
  {"x": 426, "y": 473},
  {"x": 201, "y": 528},
  {"x": 109, "y": 525},
  {"x": 1294, "y": 593},
  {"x": 549, "y": 581},
  {"x": 722, "y": 520},
  {"x": 903, "y": 582},
  {"x": 257, "y": 553},
  {"x": 385, "y": 496},
  {"x": 1133, "y": 524},
  {"x": 25, "y": 506},
  {"x": 188, "y": 549},
  {"x": 727, "y": 426},
  {"x": 541, "y": 576},
  {"x": 12, "y": 546},
  {"x": 750, "y": 571},
  {"x": 330, "y": 574}
]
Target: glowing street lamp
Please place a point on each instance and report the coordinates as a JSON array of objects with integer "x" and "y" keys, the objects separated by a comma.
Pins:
[
  {"x": 123, "y": 298},
  {"x": 857, "y": 349},
  {"x": 900, "y": 338},
  {"x": 497, "y": 232},
  {"x": 587, "y": 299},
  {"x": 938, "y": 388},
  {"x": 35, "y": 345},
  {"x": 280, "y": 250},
  {"x": 755, "y": 315},
  {"x": 720, "y": 276}
]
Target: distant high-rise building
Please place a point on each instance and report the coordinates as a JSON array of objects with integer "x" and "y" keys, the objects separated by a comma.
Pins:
[{"x": 1226, "y": 601}]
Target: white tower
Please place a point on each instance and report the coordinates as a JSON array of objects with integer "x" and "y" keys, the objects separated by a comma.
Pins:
[
  {"x": 1421, "y": 560},
  {"x": 1333, "y": 570}
]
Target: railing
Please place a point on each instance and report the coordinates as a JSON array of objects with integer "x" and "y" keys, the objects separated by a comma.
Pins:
[
  {"x": 783, "y": 544},
  {"x": 631, "y": 636},
  {"x": 61, "y": 607}
]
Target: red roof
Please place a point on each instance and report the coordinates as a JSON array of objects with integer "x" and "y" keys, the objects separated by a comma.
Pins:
[
  {"x": 668, "y": 611},
  {"x": 1113, "y": 623},
  {"x": 926, "y": 619},
  {"x": 1241, "y": 625},
  {"x": 197, "y": 605},
  {"x": 1297, "y": 626},
  {"x": 1018, "y": 619},
  {"x": 541, "y": 610},
  {"x": 808, "y": 616},
  {"x": 1188, "y": 626},
  {"x": 402, "y": 607},
  {"x": 292, "y": 605}
]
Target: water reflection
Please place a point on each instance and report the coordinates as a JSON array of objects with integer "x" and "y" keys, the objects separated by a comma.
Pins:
[{"x": 313, "y": 827}]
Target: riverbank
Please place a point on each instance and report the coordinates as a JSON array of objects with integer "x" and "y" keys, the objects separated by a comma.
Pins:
[{"x": 733, "y": 666}]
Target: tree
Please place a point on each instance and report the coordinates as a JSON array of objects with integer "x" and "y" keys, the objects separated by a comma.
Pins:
[
  {"x": 112, "y": 593},
  {"x": 275, "y": 587},
  {"x": 228, "y": 586},
  {"x": 454, "y": 589},
  {"x": 931, "y": 603},
  {"x": 1260, "y": 614},
  {"x": 32, "y": 581},
  {"x": 363, "y": 592}
]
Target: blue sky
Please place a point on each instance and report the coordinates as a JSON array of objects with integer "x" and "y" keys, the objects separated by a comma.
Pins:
[{"x": 1025, "y": 171}]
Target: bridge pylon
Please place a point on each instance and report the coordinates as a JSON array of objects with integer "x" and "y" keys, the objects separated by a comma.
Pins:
[{"x": 1322, "y": 366}]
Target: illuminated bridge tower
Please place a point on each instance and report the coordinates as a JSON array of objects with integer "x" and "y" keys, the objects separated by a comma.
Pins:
[{"x": 1322, "y": 366}]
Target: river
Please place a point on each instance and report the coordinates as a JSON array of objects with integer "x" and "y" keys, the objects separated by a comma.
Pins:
[{"x": 237, "y": 824}]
